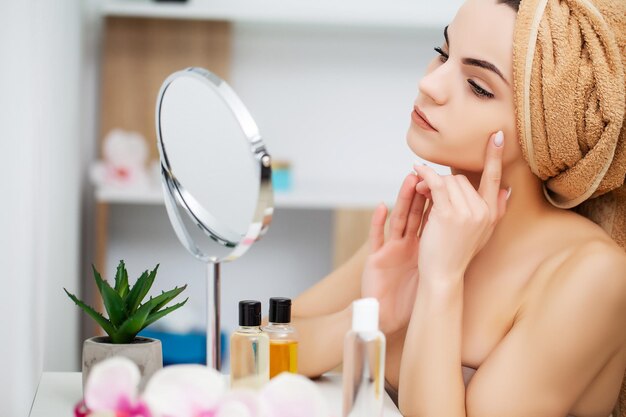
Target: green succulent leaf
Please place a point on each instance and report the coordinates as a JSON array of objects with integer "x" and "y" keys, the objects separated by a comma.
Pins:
[
  {"x": 139, "y": 290},
  {"x": 104, "y": 323},
  {"x": 112, "y": 301},
  {"x": 153, "y": 304},
  {"x": 132, "y": 299},
  {"x": 159, "y": 314},
  {"x": 121, "y": 280},
  {"x": 137, "y": 321},
  {"x": 127, "y": 332},
  {"x": 133, "y": 325},
  {"x": 166, "y": 297}
]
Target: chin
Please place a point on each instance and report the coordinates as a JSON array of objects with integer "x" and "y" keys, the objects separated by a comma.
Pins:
[
  {"x": 427, "y": 149},
  {"x": 424, "y": 148}
]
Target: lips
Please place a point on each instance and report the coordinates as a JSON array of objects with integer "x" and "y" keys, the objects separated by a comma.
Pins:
[{"x": 423, "y": 116}]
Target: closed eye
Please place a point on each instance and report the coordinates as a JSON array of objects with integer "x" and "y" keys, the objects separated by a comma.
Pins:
[{"x": 476, "y": 89}]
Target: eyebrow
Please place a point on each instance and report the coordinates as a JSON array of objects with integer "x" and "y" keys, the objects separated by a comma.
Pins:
[{"x": 477, "y": 62}]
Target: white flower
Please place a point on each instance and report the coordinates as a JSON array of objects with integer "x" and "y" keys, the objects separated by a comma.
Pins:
[
  {"x": 184, "y": 391},
  {"x": 290, "y": 395},
  {"x": 240, "y": 403}
]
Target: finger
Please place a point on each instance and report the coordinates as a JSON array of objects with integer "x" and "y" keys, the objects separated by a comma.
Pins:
[
  {"x": 377, "y": 228},
  {"x": 457, "y": 197},
  {"x": 415, "y": 215},
  {"x": 429, "y": 206},
  {"x": 437, "y": 187},
  {"x": 475, "y": 200},
  {"x": 400, "y": 212},
  {"x": 422, "y": 188},
  {"x": 503, "y": 198},
  {"x": 492, "y": 172}
]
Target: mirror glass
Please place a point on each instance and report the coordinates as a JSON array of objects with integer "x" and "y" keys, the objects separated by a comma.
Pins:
[{"x": 215, "y": 169}]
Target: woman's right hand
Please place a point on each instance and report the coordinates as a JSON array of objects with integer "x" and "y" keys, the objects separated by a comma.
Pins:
[{"x": 390, "y": 273}]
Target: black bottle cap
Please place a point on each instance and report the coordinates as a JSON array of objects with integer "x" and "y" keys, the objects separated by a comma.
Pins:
[
  {"x": 249, "y": 313},
  {"x": 280, "y": 310}
]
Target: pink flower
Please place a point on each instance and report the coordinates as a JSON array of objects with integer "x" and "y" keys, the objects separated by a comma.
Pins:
[{"x": 112, "y": 390}]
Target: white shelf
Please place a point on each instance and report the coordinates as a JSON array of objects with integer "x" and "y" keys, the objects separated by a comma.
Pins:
[
  {"x": 398, "y": 13},
  {"x": 151, "y": 195},
  {"x": 304, "y": 196},
  {"x": 331, "y": 196}
]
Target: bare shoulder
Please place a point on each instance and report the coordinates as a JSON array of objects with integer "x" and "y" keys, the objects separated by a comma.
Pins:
[
  {"x": 581, "y": 265},
  {"x": 579, "y": 240},
  {"x": 592, "y": 276},
  {"x": 598, "y": 263}
]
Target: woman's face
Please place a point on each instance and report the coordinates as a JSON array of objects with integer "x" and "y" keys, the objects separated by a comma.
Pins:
[{"x": 467, "y": 92}]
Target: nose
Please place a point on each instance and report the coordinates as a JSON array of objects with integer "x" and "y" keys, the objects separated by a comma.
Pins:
[{"x": 436, "y": 84}]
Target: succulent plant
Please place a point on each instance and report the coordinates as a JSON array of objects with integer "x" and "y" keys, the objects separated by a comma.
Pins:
[{"x": 127, "y": 315}]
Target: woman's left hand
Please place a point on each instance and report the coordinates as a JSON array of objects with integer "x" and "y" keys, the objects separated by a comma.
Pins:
[{"x": 461, "y": 219}]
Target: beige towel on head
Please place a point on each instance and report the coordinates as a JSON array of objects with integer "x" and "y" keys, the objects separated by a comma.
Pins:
[{"x": 570, "y": 94}]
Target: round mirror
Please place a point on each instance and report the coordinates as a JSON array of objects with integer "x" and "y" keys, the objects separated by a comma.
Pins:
[{"x": 215, "y": 169}]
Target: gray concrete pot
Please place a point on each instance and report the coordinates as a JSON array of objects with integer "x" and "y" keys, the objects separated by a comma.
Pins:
[{"x": 145, "y": 352}]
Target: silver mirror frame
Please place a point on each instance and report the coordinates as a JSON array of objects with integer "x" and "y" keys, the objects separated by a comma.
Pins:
[
  {"x": 177, "y": 197},
  {"x": 179, "y": 203}
]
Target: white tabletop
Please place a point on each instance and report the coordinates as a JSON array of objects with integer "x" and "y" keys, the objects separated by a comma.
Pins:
[{"x": 59, "y": 392}]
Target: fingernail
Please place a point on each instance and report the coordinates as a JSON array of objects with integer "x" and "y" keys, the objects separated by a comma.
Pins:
[
  {"x": 499, "y": 139},
  {"x": 508, "y": 192}
]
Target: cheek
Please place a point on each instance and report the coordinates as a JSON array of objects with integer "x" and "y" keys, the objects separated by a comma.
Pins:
[
  {"x": 461, "y": 144},
  {"x": 470, "y": 139},
  {"x": 512, "y": 149},
  {"x": 467, "y": 149}
]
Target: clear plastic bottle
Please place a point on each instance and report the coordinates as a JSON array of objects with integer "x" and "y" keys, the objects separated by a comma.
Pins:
[
  {"x": 283, "y": 338},
  {"x": 364, "y": 362},
  {"x": 249, "y": 349}
]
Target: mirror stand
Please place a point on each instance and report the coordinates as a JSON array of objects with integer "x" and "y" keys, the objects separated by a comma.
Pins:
[{"x": 213, "y": 333}]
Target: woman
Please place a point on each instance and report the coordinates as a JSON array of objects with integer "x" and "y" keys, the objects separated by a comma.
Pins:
[{"x": 498, "y": 301}]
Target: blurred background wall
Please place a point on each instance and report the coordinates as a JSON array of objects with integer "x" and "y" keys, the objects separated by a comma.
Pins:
[{"x": 40, "y": 144}]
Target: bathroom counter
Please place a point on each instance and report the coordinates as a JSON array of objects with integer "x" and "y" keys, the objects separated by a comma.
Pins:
[{"x": 59, "y": 392}]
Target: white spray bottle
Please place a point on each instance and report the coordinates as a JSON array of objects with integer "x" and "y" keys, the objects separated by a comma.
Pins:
[{"x": 364, "y": 362}]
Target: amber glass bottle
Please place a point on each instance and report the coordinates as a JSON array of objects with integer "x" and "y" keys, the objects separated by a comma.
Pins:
[{"x": 283, "y": 338}]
